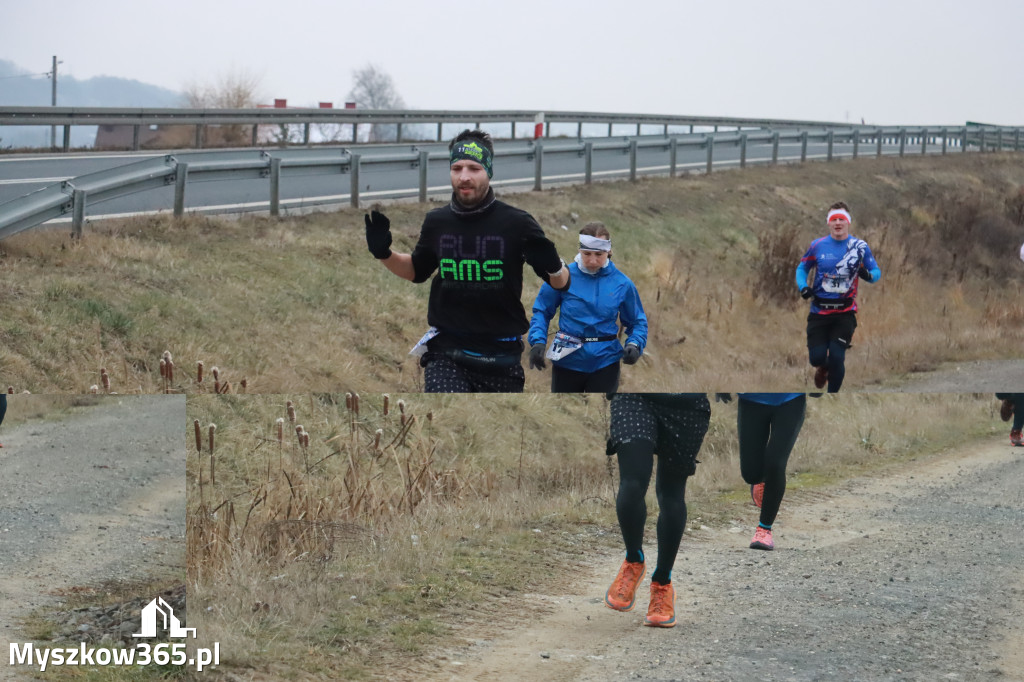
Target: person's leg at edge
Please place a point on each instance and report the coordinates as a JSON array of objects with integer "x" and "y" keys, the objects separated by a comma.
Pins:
[
  {"x": 1018, "y": 416},
  {"x": 787, "y": 420},
  {"x": 3, "y": 409},
  {"x": 670, "y": 487}
]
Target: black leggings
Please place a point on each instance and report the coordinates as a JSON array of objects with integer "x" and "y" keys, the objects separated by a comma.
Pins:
[
  {"x": 767, "y": 434},
  {"x": 604, "y": 380},
  {"x": 3, "y": 406},
  {"x": 636, "y": 461}
]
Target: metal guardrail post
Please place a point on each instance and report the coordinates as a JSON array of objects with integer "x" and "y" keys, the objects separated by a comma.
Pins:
[
  {"x": 547, "y": 129},
  {"x": 903, "y": 141},
  {"x": 305, "y": 134},
  {"x": 513, "y": 130},
  {"x": 830, "y": 139},
  {"x": 439, "y": 138},
  {"x": 398, "y": 133},
  {"x": 856, "y": 142},
  {"x": 538, "y": 164},
  {"x": 743, "y": 150},
  {"x": 710, "y": 142},
  {"x": 579, "y": 130},
  {"x": 67, "y": 138},
  {"x": 803, "y": 146},
  {"x": 135, "y": 137},
  {"x": 775, "y": 148},
  {"x": 275, "y": 186},
  {"x": 180, "y": 180},
  {"x": 632, "y": 160},
  {"x": 944, "y": 136},
  {"x": 424, "y": 167},
  {"x": 255, "y": 134},
  {"x": 200, "y": 133},
  {"x": 664, "y": 131},
  {"x": 673, "y": 149},
  {"x": 354, "y": 171},
  {"x": 878, "y": 143},
  {"x": 638, "y": 130},
  {"x": 78, "y": 215},
  {"x": 609, "y": 130},
  {"x": 924, "y": 142},
  {"x": 588, "y": 155}
]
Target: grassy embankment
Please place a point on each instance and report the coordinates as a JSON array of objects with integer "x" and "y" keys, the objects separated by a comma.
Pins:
[
  {"x": 353, "y": 558},
  {"x": 297, "y": 304}
]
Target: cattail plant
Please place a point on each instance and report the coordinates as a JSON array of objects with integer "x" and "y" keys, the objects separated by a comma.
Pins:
[
  {"x": 280, "y": 430},
  {"x": 213, "y": 477},
  {"x": 291, "y": 411},
  {"x": 199, "y": 372},
  {"x": 199, "y": 435},
  {"x": 216, "y": 379},
  {"x": 387, "y": 399},
  {"x": 244, "y": 383},
  {"x": 105, "y": 379}
]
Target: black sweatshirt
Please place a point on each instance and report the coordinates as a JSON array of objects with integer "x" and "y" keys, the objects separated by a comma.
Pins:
[{"x": 475, "y": 298}]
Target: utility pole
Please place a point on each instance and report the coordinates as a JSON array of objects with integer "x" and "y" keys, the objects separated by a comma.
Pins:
[{"x": 53, "y": 101}]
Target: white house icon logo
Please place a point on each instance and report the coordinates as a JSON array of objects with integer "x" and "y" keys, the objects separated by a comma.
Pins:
[{"x": 170, "y": 622}]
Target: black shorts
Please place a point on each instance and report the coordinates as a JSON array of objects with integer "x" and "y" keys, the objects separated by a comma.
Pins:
[
  {"x": 442, "y": 374},
  {"x": 676, "y": 427},
  {"x": 823, "y": 329}
]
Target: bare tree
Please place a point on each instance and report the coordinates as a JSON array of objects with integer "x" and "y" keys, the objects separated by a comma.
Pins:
[
  {"x": 373, "y": 89},
  {"x": 235, "y": 89}
]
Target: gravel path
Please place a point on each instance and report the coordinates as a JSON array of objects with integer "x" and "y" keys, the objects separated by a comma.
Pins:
[
  {"x": 956, "y": 377},
  {"x": 916, "y": 575},
  {"x": 94, "y": 497}
]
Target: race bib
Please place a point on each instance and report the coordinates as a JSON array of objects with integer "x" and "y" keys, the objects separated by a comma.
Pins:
[
  {"x": 563, "y": 345},
  {"x": 421, "y": 346}
]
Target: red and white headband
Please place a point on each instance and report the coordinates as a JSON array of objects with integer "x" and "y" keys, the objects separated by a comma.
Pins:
[{"x": 838, "y": 212}]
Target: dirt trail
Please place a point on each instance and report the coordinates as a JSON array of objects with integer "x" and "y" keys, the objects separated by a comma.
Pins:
[
  {"x": 909, "y": 576},
  {"x": 955, "y": 377},
  {"x": 95, "y": 497}
]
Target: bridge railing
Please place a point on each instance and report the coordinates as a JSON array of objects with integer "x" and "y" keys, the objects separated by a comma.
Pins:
[{"x": 180, "y": 169}]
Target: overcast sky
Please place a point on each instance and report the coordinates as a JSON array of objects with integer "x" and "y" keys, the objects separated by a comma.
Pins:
[{"x": 888, "y": 62}]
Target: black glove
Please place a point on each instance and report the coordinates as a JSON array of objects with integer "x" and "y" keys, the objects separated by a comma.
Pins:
[
  {"x": 723, "y": 397},
  {"x": 537, "y": 356},
  {"x": 806, "y": 292},
  {"x": 378, "y": 234},
  {"x": 864, "y": 274},
  {"x": 631, "y": 354}
]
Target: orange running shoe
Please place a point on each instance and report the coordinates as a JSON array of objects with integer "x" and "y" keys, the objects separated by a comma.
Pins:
[
  {"x": 621, "y": 596},
  {"x": 1016, "y": 438},
  {"x": 762, "y": 539},
  {"x": 821, "y": 377},
  {"x": 757, "y": 494},
  {"x": 662, "y": 611},
  {"x": 1006, "y": 410}
]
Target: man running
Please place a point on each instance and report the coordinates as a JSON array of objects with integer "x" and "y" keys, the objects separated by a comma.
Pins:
[
  {"x": 672, "y": 425},
  {"x": 477, "y": 245},
  {"x": 838, "y": 260}
]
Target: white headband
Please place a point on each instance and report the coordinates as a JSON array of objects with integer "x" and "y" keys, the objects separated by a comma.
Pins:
[
  {"x": 839, "y": 212},
  {"x": 595, "y": 244}
]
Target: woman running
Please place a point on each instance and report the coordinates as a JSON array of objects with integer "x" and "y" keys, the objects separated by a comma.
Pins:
[
  {"x": 586, "y": 351},
  {"x": 1013, "y": 406},
  {"x": 768, "y": 425},
  {"x": 838, "y": 260},
  {"x": 642, "y": 424}
]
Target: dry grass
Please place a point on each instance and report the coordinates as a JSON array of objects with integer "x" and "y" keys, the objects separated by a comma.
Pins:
[
  {"x": 297, "y": 304},
  {"x": 334, "y": 562}
]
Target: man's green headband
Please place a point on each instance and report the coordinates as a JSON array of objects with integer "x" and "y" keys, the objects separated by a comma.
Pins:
[{"x": 472, "y": 151}]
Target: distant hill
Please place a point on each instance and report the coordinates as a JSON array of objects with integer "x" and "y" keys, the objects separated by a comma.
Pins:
[{"x": 21, "y": 87}]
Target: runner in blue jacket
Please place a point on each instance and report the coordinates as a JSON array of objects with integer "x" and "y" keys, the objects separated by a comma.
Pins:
[
  {"x": 585, "y": 352},
  {"x": 838, "y": 260}
]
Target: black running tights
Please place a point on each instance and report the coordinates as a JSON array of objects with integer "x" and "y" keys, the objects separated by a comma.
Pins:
[
  {"x": 767, "y": 434},
  {"x": 636, "y": 461}
]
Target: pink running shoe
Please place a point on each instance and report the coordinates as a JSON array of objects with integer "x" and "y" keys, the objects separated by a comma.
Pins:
[
  {"x": 762, "y": 539},
  {"x": 1016, "y": 438},
  {"x": 757, "y": 494}
]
